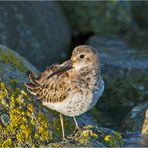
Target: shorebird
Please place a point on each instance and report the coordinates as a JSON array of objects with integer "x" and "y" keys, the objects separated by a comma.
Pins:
[{"x": 71, "y": 88}]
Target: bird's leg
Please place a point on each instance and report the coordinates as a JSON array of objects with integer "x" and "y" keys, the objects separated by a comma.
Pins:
[
  {"x": 62, "y": 126},
  {"x": 76, "y": 125},
  {"x": 76, "y": 129}
]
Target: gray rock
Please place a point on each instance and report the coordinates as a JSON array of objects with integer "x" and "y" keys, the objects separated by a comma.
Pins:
[
  {"x": 36, "y": 30},
  {"x": 87, "y": 119},
  {"x": 136, "y": 126},
  {"x": 137, "y": 119},
  {"x": 5, "y": 119},
  {"x": 116, "y": 53},
  {"x": 124, "y": 70},
  {"x": 98, "y": 17},
  {"x": 139, "y": 9},
  {"x": 13, "y": 66}
]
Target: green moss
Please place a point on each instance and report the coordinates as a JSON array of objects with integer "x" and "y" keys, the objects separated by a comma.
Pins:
[
  {"x": 9, "y": 57},
  {"x": 13, "y": 81},
  {"x": 127, "y": 90},
  {"x": 98, "y": 136},
  {"x": 26, "y": 126},
  {"x": 113, "y": 140},
  {"x": 97, "y": 17},
  {"x": 86, "y": 137},
  {"x": 69, "y": 125}
]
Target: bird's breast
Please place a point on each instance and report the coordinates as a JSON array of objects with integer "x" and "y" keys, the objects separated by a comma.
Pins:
[{"x": 82, "y": 96}]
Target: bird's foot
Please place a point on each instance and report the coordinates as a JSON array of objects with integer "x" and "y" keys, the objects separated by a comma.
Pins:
[
  {"x": 65, "y": 140},
  {"x": 68, "y": 139},
  {"x": 72, "y": 136},
  {"x": 76, "y": 130}
]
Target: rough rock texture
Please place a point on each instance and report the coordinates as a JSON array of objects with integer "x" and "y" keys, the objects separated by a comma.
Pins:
[
  {"x": 91, "y": 136},
  {"x": 24, "y": 121},
  {"x": 137, "y": 123},
  {"x": 98, "y": 17},
  {"x": 22, "y": 118},
  {"x": 139, "y": 9},
  {"x": 137, "y": 39},
  {"x": 145, "y": 123},
  {"x": 36, "y": 30},
  {"x": 137, "y": 119},
  {"x": 124, "y": 70}
]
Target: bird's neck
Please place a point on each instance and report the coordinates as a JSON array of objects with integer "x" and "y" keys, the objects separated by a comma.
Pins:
[{"x": 89, "y": 74}]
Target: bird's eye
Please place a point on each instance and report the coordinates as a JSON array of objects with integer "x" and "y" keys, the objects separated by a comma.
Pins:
[{"x": 82, "y": 56}]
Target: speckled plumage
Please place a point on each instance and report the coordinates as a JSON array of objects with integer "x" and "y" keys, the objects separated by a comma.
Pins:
[{"x": 73, "y": 87}]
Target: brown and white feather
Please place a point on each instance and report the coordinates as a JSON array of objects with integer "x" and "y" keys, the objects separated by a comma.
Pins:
[{"x": 73, "y": 91}]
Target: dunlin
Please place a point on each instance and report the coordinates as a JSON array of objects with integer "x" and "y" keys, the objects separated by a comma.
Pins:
[{"x": 70, "y": 88}]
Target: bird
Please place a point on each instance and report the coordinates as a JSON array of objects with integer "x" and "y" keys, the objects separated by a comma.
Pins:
[{"x": 71, "y": 88}]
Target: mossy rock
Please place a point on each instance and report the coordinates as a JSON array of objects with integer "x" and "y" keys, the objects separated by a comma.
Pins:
[
  {"x": 90, "y": 136},
  {"x": 24, "y": 121},
  {"x": 98, "y": 17}
]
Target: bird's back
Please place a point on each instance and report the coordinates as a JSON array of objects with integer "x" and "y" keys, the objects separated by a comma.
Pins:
[{"x": 51, "y": 89}]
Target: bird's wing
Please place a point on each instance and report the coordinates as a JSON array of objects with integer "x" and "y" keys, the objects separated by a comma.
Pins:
[{"x": 53, "y": 89}]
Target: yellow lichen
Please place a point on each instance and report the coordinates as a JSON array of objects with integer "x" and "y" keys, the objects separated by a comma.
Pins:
[
  {"x": 30, "y": 107},
  {"x": 43, "y": 126},
  {"x": 24, "y": 134},
  {"x": 3, "y": 91},
  {"x": 56, "y": 145},
  {"x": 108, "y": 138},
  {"x": 36, "y": 136},
  {"x": 86, "y": 136},
  {"x": 24, "y": 93},
  {"x": 26, "y": 126},
  {"x": 94, "y": 135},
  {"x": 113, "y": 140},
  {"x": 7, "y": 143}
]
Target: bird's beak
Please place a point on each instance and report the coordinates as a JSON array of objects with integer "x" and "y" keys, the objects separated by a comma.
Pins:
[{"x": 66, "y": 66}]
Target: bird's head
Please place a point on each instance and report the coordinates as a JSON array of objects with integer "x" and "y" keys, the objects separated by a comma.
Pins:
[{"x": 84, "y": 58}]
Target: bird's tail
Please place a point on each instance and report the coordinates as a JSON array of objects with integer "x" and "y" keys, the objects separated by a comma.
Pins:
[{"x": 34, "y": 85}]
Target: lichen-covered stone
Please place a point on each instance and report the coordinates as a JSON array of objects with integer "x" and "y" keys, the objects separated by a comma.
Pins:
[
  {"x": 22, "y": 119},
  {"x": 90, "y": 136},
  {"x": 25, "y": 122},
  {"x": 98, "y": 17},
  {"x": 93, "y": 135},
  {"x": 36, "y": 30}
]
